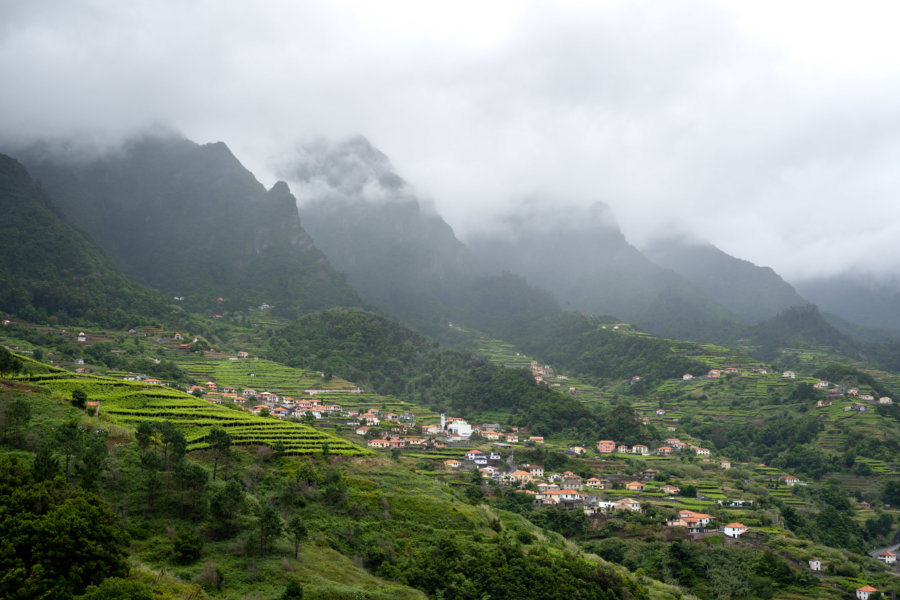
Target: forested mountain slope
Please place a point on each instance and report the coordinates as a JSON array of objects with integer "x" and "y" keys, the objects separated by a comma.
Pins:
[
  {"x": 50, "y": 269},
  {"x": 191, "y": 221}
]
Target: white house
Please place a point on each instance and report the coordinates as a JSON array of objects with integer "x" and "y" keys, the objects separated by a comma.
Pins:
[
  {"x": 702, "y": 518},
  {"x": 460, "y": 428},
  {"x": 628, "y": 504},
  {"x": 734, "y": 530},
  {"x": 864, "y": 592},
  {"x": 888, "y": 558},
  {"x": 473, "y": 454},
  {"x": 815, "y": 564}
]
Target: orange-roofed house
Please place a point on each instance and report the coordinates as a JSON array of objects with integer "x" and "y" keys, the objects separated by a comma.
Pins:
[
  {"x": 864, "y": 592},
  {"x": 606, "y": 446},
  {"x": 734, "y": 530},
  {"x": 702, "y": 518},
  {"x": 888, "y": 558},
  {"x": 634, "y": 486}
]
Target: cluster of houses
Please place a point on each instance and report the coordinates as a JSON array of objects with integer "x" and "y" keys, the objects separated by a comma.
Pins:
[
  {"x": 718, "y": 373},
  {"x": 283, "y": 407},
  {"x": 669, "y": 445},
  {"x": 451, "y": 431}
]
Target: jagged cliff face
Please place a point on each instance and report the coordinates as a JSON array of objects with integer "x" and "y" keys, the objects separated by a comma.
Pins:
[
  {"x": 395, "y": 249},
  {"x": 190, "y": 220}
]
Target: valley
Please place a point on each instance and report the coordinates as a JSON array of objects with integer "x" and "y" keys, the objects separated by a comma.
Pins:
[{"x": 424, "y": 418}]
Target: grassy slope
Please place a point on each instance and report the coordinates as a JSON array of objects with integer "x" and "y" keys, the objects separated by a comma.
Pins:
[{"x": 134, "y": 402}]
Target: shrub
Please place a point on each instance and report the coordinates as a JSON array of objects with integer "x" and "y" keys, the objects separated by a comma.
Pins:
[{"x": 186, "y": 547}]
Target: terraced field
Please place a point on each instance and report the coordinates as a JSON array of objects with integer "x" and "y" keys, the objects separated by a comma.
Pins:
[{"x": 136, "y": 402}]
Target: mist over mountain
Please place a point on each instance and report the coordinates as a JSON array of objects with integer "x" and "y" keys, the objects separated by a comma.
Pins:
[
  {"x": 394, "y": 248},
  {"x": 191, "y": 221},
  {"x": 751, "y": 292},
  {"x": 583, "y": 258},
  {"x": 858, "y": 297},
  {"x": 50, "y": 269}
]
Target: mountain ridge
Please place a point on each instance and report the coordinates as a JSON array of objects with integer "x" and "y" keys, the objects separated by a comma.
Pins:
[{"x": 191, "y": 221}]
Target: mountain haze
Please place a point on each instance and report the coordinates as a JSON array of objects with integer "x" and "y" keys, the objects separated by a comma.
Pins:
[
  {"x": 752, "y": 293},
  {"x": 583, "y": 258},
  {"x": 395, "y": 249},
  {"x": 400, "y": 255},
  {"x": 857, "y": 297}
]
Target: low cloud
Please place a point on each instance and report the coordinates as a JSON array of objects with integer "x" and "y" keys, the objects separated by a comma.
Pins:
[{"x": 770, "y": 129}]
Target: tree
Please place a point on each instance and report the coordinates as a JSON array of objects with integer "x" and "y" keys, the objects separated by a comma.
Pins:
[
  {"x": 190, "y": 480},
  {"x": 94, "y": 456},
  {"x": 70, "y": 440},
  {"x": 225, "y": 508},
  {"x": 220, "y": 443},
  {"x": 293, "y": 591},
  {"x": 269, "y": 527},
  {"x": 45, "y": 466},
  {"x": 56, "y": 540},
  {"x": 79, "y": 398},
  {"x": 173, "y": 440},
  {"x": 279, "y": 449},
  {"x": 10, "y": 364},
  {"x": 186, "y": 547},
  {"x": 144, "y": 435},
  {"x": 17, "y": 416},
  {"x": 297, "y": 530},
  {"x": 151, "y": 464},
  {"x": 891, "y": 493}
]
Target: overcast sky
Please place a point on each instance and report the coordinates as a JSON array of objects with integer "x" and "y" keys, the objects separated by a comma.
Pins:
[{"x": 771, "y": 129}]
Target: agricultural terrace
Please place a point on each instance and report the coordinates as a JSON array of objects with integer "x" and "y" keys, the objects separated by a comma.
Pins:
[
  {"x": 135, "y": 402},
  {"x": 257, "y": 374}
]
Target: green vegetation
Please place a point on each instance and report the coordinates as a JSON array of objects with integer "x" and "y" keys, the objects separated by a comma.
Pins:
[
  {"x": 394, "y": 360},
  {"x": 136, "y": 402}
]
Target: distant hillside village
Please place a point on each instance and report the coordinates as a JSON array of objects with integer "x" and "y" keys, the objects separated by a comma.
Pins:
[{"x": 488, "y": 449}]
